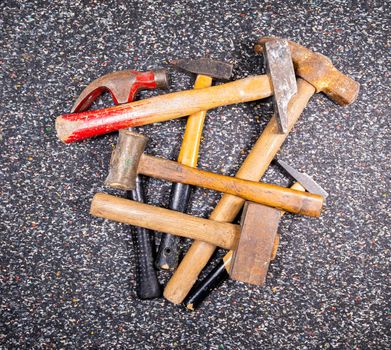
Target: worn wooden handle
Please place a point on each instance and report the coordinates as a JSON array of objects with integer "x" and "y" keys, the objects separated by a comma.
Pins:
[
  {"x": 76, "y": 127},
  {"x": 229, "y": 206},
  {"x": 271, "y": 195},
  {"x": 118, "y": 209}
]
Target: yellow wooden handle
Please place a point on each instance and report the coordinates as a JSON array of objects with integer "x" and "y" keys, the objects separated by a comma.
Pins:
[{"x": 188, "y": 154}]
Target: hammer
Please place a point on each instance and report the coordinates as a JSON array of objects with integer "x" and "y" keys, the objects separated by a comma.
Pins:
[
  {"x": 267, "y": 252},
  {"x": 123, "y": 87},
  {"x": 128, "y": 160},
  {"x": 317, "y": 75},
  {"x": 244, "y": 239},
  {"x": 315, "y": 68},
  {"x": 206, "y": 70}
]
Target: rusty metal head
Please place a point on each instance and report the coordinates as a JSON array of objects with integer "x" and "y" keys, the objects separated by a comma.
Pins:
[
  {"x": 279, "y": 67},
  {"x": 319, "y": 71},
  {"x": 123, "y": 87},
  {"x": 216, "y": 69}
]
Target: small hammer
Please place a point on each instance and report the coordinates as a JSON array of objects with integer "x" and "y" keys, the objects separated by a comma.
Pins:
[
  {"x": 123, "y": 87},
  {"x": 128, "y": 160},
  {"x": 266, "y": 226},
  {"x": 206, "y": 70}
]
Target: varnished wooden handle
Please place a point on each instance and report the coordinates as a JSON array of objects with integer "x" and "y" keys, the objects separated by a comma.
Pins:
[
  {"x": 118, "y": 209},
  {"x": 76, "y": 127},
  {"x": 188, "y": 154},
  {"x": 227, "y": 209},
  {"x": 271, "y": 195}
]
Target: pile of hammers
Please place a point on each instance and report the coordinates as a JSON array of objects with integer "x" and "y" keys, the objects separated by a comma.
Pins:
[{"x": 294, "y": 74}]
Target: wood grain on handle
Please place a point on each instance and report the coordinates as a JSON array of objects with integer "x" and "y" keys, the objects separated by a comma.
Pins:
[
  {"x": 79, "y": 126},
  {"x": 118, "y": 209},
  {"x": 271, "y": 195},
  {"x": 229, "y": 206}
]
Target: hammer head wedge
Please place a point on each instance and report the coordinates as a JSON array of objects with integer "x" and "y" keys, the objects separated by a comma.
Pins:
[
  {"x": 280, "y": 69},
  {"x": 122, "y": 85},
  {"x": 125, "y": 160},
  {"x": 216, "y": 69}
]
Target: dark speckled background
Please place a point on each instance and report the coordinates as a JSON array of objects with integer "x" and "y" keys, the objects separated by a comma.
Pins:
[{"x": 67, "y": 279}]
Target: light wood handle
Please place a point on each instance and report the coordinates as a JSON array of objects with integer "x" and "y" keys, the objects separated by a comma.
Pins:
[
  {"x": 79, "y": 126},
  {"x": 227, "y": 209},
  {"x": 188, "y": 154},
  {"x": 118, "y": 209},
  {"x": 271, "y": 195}
]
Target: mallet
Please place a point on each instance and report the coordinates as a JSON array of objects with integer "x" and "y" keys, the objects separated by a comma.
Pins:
[{"x": 128, "y": 160}]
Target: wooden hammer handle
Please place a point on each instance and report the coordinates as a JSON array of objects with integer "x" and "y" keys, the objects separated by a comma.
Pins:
[
  {"x": 271, "y": 195},
  {"x": 118, "y": 209},
  {"x": 229, "y": 206},
  {"x": 76, "y": 127}
]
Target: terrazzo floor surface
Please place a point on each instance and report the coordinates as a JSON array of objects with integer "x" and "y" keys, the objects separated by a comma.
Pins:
[{"x": 68, "y": 279}]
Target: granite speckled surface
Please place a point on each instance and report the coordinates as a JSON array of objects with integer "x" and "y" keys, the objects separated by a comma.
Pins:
[{"x": 67, "y": 279}]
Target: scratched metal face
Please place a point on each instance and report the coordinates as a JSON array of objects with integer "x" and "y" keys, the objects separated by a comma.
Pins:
[{"x": 280, "y": 69}]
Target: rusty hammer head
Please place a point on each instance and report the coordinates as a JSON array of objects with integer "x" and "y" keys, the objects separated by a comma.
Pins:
[
  {"x": 123, "y": 86},
  {"x": 319, "y": 71},
  {"x": 205, "y": 66}
]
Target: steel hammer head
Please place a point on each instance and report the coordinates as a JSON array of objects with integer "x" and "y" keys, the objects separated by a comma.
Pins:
[
  {"x": 125, "y": 159},
  {"x": 319, "y": 71},
  {"x": 123, "y": 86},
  {"x": 205, "y": 66}
]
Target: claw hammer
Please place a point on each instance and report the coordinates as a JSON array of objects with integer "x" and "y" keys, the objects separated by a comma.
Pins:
[{"x": 123, "y": 87}]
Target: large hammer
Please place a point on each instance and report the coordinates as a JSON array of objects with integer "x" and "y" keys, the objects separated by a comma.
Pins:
[
  {"x": 267, "y": 236},
  {"x": 317, "y": 74},
  {"x": 206, "y": 70},
  {"x": 312, "y": 67},
  {"x": 245, "y": 244},
  {"x": 128, "y": 160}
]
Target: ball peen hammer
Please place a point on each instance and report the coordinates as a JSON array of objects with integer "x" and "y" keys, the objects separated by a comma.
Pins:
[
  {"x": 315, "y": 68},
  {"x": 317, "y": 75},
  {"x": 266, "y": 252},
  {"x": 206, "y": 70},
  {"x": 128, "y": 160},
  {"x": 123, "y": 87}
]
